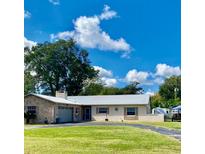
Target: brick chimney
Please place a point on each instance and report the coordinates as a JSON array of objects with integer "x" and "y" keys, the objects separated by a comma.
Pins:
[{"x": 61, "y": 94}]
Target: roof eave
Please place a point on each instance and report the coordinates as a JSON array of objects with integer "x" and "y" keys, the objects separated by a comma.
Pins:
[{"x": 32, "y": 94}]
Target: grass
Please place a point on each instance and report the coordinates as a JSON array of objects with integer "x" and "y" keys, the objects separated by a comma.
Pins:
[{"x": 97, "y": 140}]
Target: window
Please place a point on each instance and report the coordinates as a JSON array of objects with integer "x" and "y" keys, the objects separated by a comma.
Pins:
[
  {"x": 103, "y": 110},
  {"x": 31, "y": 109},
  {"x": 131, "y": 111}
]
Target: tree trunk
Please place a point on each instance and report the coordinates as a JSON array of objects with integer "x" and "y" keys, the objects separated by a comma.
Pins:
[{"x": 52, "y": 89}]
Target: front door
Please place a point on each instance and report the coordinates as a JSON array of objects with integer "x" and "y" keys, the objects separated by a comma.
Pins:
[{"x": 87, "y": 113}]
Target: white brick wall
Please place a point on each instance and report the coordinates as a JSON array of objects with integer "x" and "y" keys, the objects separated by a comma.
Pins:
[
  {"x": 152, "y": 118},
  {"x": 115, "y": 115}
]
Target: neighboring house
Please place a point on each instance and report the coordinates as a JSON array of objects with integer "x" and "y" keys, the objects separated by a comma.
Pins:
[
  {"x": 176, "y": 109},
  {"x": 63, "y": 108},
  {"x": 159, "y": 110}
]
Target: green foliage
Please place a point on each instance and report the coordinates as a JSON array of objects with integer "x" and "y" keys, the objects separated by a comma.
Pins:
[
  {"x": 60, "y": 65},
  {"x": 100, "y": 89},
  {"x": 28, "y": 116},
  {"x": 132, "y": 89},
  {"x": 172, "y": 102},
  {"x": 111, "y": 91},
  {"x": 92, "y": 89},
  {"x": 156, "y": 101},
  {"x": 169, "y": 93},
  {"x": 171, "y": 89},
  {"x": 29, "y": 83}
]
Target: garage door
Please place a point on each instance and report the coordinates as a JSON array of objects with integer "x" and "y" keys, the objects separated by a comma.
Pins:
[{"x": 65, "y": 114}]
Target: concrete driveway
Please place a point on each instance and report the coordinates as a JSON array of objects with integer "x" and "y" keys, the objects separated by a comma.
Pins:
[{"x": 173, "y": 133}]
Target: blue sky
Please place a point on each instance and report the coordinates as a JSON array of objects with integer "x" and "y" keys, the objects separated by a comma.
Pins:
[{"x": 136, "y": 40}]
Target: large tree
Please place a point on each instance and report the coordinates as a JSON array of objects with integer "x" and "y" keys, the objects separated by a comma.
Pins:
[
  {"x": 171, "y": 88},
  {"x": 132, "y": 88},
  {"x": 97, "y": 88},
  {"x": 59, "y": 65},
  {"x": 92, "y": 89},
  {"x": 169, "y": 93},
  {"x": 157, "y": 101},
  {"x": 29, "y": 83}
]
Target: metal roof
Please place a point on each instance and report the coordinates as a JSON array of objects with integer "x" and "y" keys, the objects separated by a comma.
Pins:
[
  {"x": 100, "y": 99},
  {"x": 111, "y": 99},
  {"x": 56, "y": 99},
  {"x": 177, "y": 107}
]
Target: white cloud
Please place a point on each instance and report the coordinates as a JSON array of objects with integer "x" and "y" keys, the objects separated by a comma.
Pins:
[
  {"x": 54, "y": 2},
  {"x": 29, "y": 43},
  {"x": 158, "y": 77},
  {"x": 144, "y": 78},
  {"x": 106, "y": 76},
  {"x": 27, "y": 14},
  {"x": 135, "y": 76},
  {"x": 149, "y": 92},
  {"x": 103, "y": 72},
  {"x": 63, "y": 35},
  {"x": 109, "y": 82},
  {"x": 165, "y": 70},
  {"x": 88, "y": 33},
  {"x": 159, "y": 80},
  {"x": 107, "y": 13}
]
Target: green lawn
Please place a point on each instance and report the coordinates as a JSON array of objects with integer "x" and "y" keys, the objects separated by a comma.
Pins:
[{"x": 98, "y": 140}]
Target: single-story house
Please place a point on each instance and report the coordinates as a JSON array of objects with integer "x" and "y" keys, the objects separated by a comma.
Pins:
[{"x": 63, "y": 108}]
